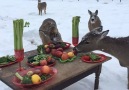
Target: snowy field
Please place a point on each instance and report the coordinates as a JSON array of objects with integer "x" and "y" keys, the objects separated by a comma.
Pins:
[{"x": 113, "y": 14}]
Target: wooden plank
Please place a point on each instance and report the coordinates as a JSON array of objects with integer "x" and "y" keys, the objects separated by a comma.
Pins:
[{"x": 68, "y": 73}]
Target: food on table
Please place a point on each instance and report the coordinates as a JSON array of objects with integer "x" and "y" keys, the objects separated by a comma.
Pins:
[
  {"x": 38, "y": 71},
  {"x": 40, "y": 60},
  {"x": 30, "y": 73},
  {"x": 58, "y": 53},
  {"x": 49, "y": 47},
  {"x": 45, "y": 69},
  {"x": 18, "y": 33},
  {"x": 36, "y": 79},
  {"x": 7, "y": 59},
  {"x": 24, "y": 79},
  {"x": 75, "y": 30},
  {"x": 43, "y": 62},
  {"x": 46, "y": 46},
  {"x": 70, "y": 54},
  {"x": 34, "y": 76},
  {"x": 91, "y": 57},
  {"x": 64, "y": 56}
]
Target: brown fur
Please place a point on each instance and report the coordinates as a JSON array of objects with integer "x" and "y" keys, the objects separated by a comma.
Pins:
[
  {"x": 48, "y": 32},
  {"x": 96, "y": 40},
  {"x": 42, "y": 6},
  {"x": 96, "y": 20}
]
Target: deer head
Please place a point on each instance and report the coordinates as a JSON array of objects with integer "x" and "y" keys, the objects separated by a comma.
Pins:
[
  {"x": 39, "y": 0},
  {"x": 91, "y": 40},
  {"x": 93, "y": 16}
]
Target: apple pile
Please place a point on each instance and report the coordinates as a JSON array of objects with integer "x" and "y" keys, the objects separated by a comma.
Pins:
[
  {"x": 62, "y": 55},
  {"x": 58, "y": 45}
]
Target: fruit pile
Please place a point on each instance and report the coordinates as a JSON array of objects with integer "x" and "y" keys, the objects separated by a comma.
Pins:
[
  {"x": 41, "y": 60},
  {"x": 57, "y": 51},
  {"x": 35, "y": 76},
  {"x": 63, "y": 56},
  {"x": 48, "y": 47},
  {"x": 59, "y": 54}
]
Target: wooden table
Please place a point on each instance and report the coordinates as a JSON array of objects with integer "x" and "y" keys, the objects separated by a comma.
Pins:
[{"x": 68, "y": 74}]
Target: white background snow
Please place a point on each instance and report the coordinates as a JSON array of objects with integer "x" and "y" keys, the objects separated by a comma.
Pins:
[{"x": 113, "y": 14}]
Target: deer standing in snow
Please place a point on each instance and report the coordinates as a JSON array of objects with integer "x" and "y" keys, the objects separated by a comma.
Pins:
[
  {"x": 42, "y": 6},
  {"x": 98, "y": 40},
  {"x": 94, "y": 20}
]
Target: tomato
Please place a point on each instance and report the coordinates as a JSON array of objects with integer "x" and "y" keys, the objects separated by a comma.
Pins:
[{"x": 85, "y": 57}]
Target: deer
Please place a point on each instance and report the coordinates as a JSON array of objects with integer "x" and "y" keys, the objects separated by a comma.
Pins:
[
  {"x": 94, "y": 20},
  {"x": 98, "y": 40},
  {"x": 49, "y": 32},
  {"x": 42, "y": 6}
]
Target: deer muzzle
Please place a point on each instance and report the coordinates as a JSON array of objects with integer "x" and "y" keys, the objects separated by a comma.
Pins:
[{"x": 75, "y": 50}]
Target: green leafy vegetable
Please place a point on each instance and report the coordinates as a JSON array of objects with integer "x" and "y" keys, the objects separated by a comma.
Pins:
[
  {"x": 25, "y": 79},
  {"x": 7, "y": 59},
  {"x": 68, "y": 60},
  {"x": 40, "y": 49}
]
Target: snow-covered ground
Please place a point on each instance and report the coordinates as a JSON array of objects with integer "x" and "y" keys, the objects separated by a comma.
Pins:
[{"x": 113, "y": 14}]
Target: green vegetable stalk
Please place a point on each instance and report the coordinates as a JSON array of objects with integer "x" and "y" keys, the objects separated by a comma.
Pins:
[
  {"x": 75, "y": 24},
  {"x": 75, "y": 30},
  {"x": 18, "y": 33}
]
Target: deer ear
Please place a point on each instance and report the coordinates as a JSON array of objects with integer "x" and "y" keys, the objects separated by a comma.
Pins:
[
  {"x": 96, "y": 12},
  {"x": 104, "y": 33},
  {"x": 89, "y": 12}
]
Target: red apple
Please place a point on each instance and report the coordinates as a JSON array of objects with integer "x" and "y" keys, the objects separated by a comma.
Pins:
[
  {"x": 59, "y": 53},
  {"x": 47, "y": 50},
  {"x": 43, "y": 62},
  {"x": 64, "y": 56},
  {"x": 53, "y": 52}
]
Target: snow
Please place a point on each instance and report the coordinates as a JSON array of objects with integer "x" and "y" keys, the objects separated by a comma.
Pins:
[{"x": 113, "y": 14}]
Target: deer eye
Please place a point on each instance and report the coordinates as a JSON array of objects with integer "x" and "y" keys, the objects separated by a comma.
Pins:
[{"x": 87, "y": 42}]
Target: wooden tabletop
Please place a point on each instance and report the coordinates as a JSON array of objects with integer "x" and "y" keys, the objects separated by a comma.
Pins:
[{"x": 67, "y": 74}]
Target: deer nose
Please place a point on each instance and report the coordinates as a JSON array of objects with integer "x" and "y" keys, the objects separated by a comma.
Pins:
[
  {"x": 75, "y": 50},
  {"x": 92, "y": 19}
]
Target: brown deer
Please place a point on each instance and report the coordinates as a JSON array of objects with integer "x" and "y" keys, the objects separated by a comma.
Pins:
[
  {"x": 98, "y": 40},
  {"x": 94, "y": 20},
  {"x": 48, "y": 32},
  {"x": 42, "y": 6}
]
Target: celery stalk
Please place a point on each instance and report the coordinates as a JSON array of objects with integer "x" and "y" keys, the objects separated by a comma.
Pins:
[
  {"x": 75, "y": 24},
  {"x": 18, "y": 33},
  {"x": 15, "y": 38}
]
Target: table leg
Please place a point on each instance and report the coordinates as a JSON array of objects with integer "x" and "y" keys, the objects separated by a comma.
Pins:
[
  {"x": 128, "y": 77},
  {"x": 97, "y": 74}
]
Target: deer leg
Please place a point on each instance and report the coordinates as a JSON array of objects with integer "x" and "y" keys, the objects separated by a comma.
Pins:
[
  {"x": 45, "y": 11},
  {"x": 97, "y": 74},
  {"x": 128, "y": 77},
  {"x": 39, "y": 12}
]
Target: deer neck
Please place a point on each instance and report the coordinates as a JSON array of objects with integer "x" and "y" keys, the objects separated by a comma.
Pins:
[
  {"x": 108, "y": 45},
  {"x": 118, "y": 47}
]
